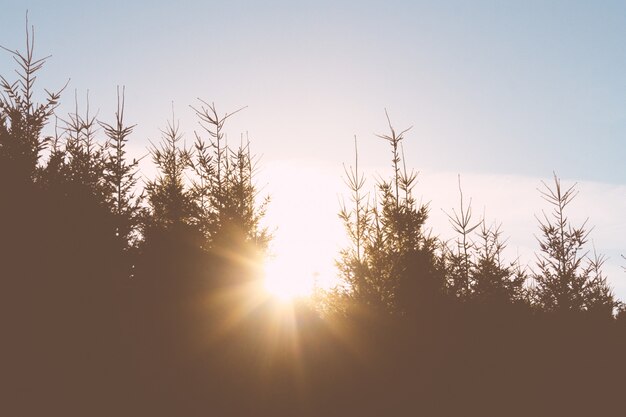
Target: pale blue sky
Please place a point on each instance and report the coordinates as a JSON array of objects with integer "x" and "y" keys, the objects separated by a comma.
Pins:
[
  {"x": 491, "y": 86},
  {"x": 494, "y": 89}
]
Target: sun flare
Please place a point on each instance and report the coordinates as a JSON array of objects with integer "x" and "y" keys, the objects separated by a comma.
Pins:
[{"x": 285, "y": 280}]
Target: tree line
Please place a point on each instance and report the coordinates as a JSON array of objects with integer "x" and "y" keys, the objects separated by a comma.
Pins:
[
  {"x": 123, "y": 298},
  {"x": 392, "y": 260}
]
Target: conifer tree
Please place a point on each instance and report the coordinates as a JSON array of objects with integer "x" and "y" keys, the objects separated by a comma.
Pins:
[
  {"x": 397, "y": 265},
  {"x": 121, "y": 178},
  {"x": 223, "y": 189},
  {"x": 85, "y": 160},
  {"x": 357, "y": 221},
  {"x": 474, "y": 268},
  {"x": 24, "y": 211},
  {"x": 170, "y": 201},
  {"x": 22, "y": 119},
  {"x": 459, "y": 263},
  {"x": 493, "y": 280},
  {"x": 566, "y": 279}
]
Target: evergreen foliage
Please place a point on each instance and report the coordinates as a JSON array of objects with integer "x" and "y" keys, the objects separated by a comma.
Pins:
[
  {"x": 458, "y": 260},
  {"x": 170, "y": 202},
  {"x": 224, "y": 190},
  {"x": 475, "y": 269},
  {"x": 121, "y": 177},
  {"x": 390, "y": 263},
  {"x": 493, "y": 280},
  {"x": 567, "y": 280},
  {"x": 21, "y": 118}
]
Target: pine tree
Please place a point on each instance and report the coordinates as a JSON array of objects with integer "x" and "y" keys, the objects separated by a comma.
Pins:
[
  {"x": 121, "y": 178},
  {"x": 357, "y": 221},
  {"x": 390, "y": 266},
  {"x": 22, "y": 119},
  {"x": 567, "y": 280},
  {"x": 474, "y": 267},
  {"x": 23, "y": 212},
  {"x": 223, "y": 188},
  {"x": 493, "y": 280},
  {"x": 170, "y": 201},
  {"x": 84, "y": 162},
  {"x": 459, "y": 263}
]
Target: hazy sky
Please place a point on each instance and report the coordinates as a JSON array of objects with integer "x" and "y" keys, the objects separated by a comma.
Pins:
[{"x": 501, "y": 92}]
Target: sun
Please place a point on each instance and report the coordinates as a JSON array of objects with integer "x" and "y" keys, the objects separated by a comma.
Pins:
[{"x": 285, "y": 279}]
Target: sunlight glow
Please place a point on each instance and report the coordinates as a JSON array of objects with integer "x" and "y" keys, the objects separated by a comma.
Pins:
[{"x": 285, "y": 281}]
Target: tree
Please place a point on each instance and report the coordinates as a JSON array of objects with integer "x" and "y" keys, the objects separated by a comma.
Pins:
[
  {"x": 390, "y": 265},
  {"x": 474, "y": 268},
  {"x": 458, "y": 260},
  {"x": 492, "y": 279},
  {"x": 567, "y": 280},
  {"x": 24, "y": 211},
  {"x": 84, "y": 163},
  {"x": 170, "y": 202},
  {"x": 357, "y": 222},
  {"x": 120, "y": 178},
  {"x": 21, "y": 119},
  {"x": 223, "y": 188}
]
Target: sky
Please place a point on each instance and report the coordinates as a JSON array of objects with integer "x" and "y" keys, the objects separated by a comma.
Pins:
[{"x": 502, "y": 92}]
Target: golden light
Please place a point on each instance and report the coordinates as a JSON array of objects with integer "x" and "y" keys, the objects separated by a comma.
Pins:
[{"x": 285, "y": 280}]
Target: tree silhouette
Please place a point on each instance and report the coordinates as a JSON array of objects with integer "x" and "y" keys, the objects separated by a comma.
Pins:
[
  {"x": 390, "y": 264},
  {"x": 223, "y": 190},
  {"x": 21, "y": 119},
  {"x": 121, "y": 177},
  {"x": 458, "y": 260},
  {"x": 566, "y": 280},
  {"x": 493, "y": 280},
  {"x": 474, "y": 267},
  {"x": 170, "y": 202},
  {"x": 357, "y": 222}
]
